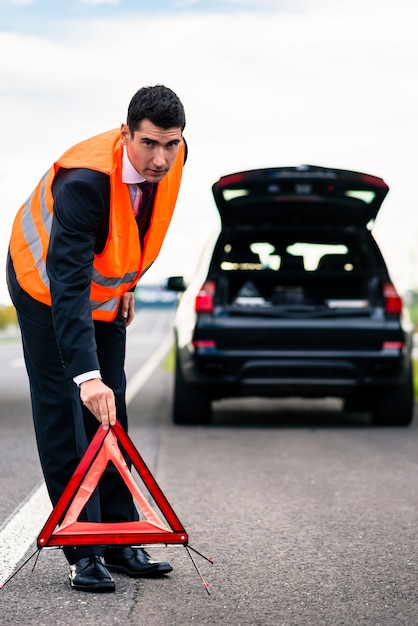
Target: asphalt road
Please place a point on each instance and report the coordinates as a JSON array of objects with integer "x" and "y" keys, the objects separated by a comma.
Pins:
[{"x": 309, "y": 514}]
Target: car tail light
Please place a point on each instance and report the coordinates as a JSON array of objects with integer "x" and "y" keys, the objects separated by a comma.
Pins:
[
  {"x": 205, "y": 344},
  {"x": 373, "y": 181},
  {"x": 205, "y": 297},
  {"x": 232, "y": 179},
  {"x": 393, "y": 345},
  {"x": 393, "y": 301}
]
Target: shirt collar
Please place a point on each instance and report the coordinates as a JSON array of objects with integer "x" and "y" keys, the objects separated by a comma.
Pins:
[{"x": 129, "y": 173}]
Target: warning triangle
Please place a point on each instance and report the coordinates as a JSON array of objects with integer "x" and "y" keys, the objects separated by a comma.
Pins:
[{"x": 63, "y": 528}]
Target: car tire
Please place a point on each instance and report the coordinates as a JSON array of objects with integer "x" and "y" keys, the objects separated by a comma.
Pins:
[
  {"x": 191, "y": 405},
  {"x": 395, "y": 407}
]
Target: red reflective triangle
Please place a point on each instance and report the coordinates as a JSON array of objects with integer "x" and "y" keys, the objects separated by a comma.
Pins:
[{"x": 63, "y": 528}]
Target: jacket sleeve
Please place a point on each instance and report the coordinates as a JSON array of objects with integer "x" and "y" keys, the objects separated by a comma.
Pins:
[{"x": 79, "y": 226}]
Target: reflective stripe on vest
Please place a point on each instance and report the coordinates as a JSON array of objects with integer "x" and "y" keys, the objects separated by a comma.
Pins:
[{"x": 30, "y": 233}]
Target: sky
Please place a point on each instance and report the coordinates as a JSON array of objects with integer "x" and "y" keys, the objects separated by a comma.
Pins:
[{"x": 264, "y": 83}]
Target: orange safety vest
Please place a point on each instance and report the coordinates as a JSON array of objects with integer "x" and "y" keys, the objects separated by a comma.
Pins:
[{"x": 122, "y": 262}]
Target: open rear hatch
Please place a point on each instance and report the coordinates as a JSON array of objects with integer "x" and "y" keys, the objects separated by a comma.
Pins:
[
  {"x": 299, "y": 214},
  {"x": 303, "y": 194}
]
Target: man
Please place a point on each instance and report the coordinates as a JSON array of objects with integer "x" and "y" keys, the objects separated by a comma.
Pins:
[{"x": 78, "y": 247}]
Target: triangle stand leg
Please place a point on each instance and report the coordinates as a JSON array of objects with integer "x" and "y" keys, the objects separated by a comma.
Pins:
[
  {"x": 205, "y": 584},
  {"x": 37, "y": 553}
]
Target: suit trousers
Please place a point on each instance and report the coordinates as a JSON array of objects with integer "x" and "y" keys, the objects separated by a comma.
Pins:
[{"x": 63, "y": 426}]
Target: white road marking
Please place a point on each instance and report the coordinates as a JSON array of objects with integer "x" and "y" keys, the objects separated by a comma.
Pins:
[
  {"x": 21, "y": 529},
  {"x": 140, "y": 378}
]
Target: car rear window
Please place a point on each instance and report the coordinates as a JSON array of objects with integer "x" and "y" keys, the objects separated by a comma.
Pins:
[
  {"x": 312, "y": 272},
  {"x": 296, "y": 256}
]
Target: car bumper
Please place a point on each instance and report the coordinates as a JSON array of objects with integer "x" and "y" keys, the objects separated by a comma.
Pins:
[{"x": 313, "y": 375}]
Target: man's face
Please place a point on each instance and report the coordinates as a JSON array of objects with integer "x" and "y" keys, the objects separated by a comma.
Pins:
[{"x": 152, "y": 150}]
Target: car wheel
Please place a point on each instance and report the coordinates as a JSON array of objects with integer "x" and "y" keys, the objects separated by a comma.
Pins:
[
  {"x": 191, "y": 405},
  {"x": 395, "y": 407}
]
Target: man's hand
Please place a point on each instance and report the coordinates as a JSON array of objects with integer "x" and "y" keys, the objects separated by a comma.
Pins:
[
  {"x": 100, "y": 400},
  {"x": 128, "y": 307}
]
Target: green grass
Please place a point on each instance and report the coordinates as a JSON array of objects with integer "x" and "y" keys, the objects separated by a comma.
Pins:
[
  {"x": 413, "y": 313},
  {"x": 7, "y": 316},
  {"x": 169, "y": 360}
]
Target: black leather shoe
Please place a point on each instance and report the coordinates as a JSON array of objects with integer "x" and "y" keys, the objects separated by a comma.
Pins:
[
  {"x": 90, "y": 574},
  {"x": 134, "y": 562}
]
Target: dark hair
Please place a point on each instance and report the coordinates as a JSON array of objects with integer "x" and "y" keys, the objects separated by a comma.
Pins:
[{"x": 158, "y": 104}]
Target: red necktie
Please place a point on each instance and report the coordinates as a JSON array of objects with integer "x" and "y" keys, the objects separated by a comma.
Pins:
[{"x": 144, "y": 205}]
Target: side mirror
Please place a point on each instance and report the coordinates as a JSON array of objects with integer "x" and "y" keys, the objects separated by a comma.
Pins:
[{"x": 175, "y": 283}]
